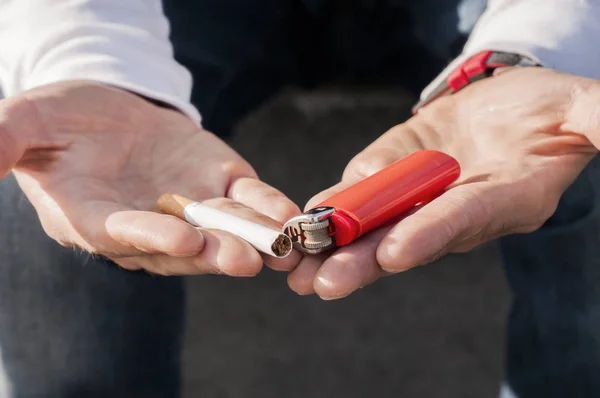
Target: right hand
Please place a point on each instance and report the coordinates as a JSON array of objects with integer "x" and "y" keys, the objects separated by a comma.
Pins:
[
  {"x": 94, "y": 159},
  {"x": 521, "y": 138}
]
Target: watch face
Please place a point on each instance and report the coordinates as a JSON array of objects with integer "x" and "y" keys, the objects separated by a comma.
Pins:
[{"x": 501, "y": 58}]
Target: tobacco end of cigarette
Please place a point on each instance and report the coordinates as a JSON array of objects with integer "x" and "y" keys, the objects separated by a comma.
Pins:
[
  {"x": 282, "y": 246},
  {"x": 173, "y": 204}
]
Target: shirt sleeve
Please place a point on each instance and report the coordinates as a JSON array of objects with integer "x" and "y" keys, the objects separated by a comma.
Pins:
[
  {"x": 559, "y": 34},
  {"x": 124, "y": 43}
]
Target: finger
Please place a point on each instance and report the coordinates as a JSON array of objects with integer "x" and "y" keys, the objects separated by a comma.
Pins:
[
  {"x": 263, "y": 198},
  {"x": 350, "y": 268},
  {"x": 240, "y": 210},
  {"x": 373, "y": 159},
  {"x": 154, "y": 233},
  {"x": 398, "y": 142},
  {"x": 326, "y": 194},
  {"x": 339, "y": 274},
  {"x": 223, "y": 253},
  {"x": 75, "y": 219},
  {"x": 301, "y": 279},
  {"x": 465, "y": 213}
]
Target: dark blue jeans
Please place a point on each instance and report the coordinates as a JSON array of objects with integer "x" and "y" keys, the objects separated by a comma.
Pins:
[{"x": 73, "y": 326}]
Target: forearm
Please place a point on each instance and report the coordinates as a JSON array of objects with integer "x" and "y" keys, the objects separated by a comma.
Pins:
[
  {"x": 117, "y": 42},
  {"x": 560, "y": 34}
]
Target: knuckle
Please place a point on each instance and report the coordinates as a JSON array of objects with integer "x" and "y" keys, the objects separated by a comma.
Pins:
[
  {"x": 236, "y": 168},
  {"x": 447, "y": 228},
  {"x": 282, "y": 210},
  {"x": 363, "y": 166},
  {"x": 205, "y": 266},
  {"x": 227, "y": 205},
  {"x": 181, "y": 241},
  {"x": 355, "y": 168},
  {"x": 221, "y": 203}
]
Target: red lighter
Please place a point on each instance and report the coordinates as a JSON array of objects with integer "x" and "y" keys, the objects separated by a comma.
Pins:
[{"x": 372, "y": 202}]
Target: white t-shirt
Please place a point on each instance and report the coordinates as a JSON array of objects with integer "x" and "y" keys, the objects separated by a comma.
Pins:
[{"x": 125, "y": 42}]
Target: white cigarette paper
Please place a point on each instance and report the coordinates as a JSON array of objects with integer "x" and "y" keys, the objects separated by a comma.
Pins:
[{"x": 263, "y": 239}]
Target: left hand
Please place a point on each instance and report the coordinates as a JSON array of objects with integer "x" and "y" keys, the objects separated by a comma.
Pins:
[
  {"x": 93, "y": 160},
  {"x": 521, "y": 138}
]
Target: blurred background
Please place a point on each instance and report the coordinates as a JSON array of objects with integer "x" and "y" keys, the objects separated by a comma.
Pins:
[{"x": 299, "y": 87}]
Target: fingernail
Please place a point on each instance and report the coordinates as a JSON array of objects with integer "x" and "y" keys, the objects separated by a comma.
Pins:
[
  {"x": 326, "y": 284},
  {"x": 332, "y": 298},
  {"x": 325, "y": 281}
]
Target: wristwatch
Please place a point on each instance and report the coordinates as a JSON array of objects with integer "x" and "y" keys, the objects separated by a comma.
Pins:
[{"x": 477, "y": 67}]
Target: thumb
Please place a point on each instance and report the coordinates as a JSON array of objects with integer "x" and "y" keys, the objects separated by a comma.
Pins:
[
  {"x": 429, "y": 233},
  {"x": 365, "y": 164},
  {"x": 458, "y": 220}
]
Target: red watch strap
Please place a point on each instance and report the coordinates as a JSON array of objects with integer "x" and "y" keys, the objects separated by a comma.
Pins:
[
  {"x": 473, "y": 67},
  {"x": 479, "y": 66}
]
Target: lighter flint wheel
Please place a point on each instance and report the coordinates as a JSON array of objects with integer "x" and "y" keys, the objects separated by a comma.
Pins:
[
  {"x": 318, "y": 245},
  {"x": 315, "y": 226}
]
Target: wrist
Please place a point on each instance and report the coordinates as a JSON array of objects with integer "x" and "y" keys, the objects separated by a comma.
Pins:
[{"x": 469, "y": 69}]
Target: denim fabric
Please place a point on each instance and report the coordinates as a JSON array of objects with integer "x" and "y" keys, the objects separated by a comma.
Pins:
[
  {"x": 72, "y": 326},
  {"x": 75, "y": 326},
  {"x": 553, "y": 332}
]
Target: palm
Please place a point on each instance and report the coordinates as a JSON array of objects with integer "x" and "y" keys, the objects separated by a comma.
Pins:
[
  {"x": 517, "y": 154},
  {"x": 104, "y": 158}
]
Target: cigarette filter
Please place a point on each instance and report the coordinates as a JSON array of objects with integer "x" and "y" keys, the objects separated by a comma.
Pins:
[
  {"x": 372, "y": 202},
  {"x": 263, "y": 239}
]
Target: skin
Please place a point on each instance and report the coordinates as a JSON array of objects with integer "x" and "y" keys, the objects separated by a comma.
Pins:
[
  {"x": 521, "y": 138},
  {"x": 93, "y": 160}
]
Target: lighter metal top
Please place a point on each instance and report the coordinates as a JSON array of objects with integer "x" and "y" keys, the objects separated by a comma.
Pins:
[{"x": 311, "y": 232}]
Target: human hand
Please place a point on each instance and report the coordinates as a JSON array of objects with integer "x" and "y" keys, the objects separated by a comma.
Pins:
[
  {"x": 94, "y": 159},
  {"x": 521, "y": 138}
]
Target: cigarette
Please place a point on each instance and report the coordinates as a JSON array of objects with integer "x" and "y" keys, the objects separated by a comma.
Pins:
[{"x": 263, "y": 239}]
